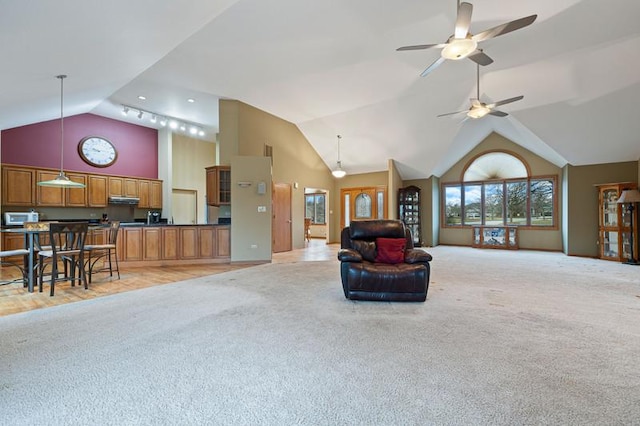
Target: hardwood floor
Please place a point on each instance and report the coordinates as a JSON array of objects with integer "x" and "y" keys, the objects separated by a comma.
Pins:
[{"x": 14, "y": 298}]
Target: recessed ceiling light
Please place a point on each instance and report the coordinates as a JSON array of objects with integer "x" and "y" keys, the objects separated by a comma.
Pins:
[
  {"x": 191, "y": 100},
  {"x": 142, "y": 98}
]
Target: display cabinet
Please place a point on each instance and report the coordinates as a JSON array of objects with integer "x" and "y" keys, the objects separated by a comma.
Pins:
[
  {"x": 409, "y": 211},
  {"x": 614, "y": 223},
  {"x": 218, "y": 185},
  {"x": 505, "y": 237}
]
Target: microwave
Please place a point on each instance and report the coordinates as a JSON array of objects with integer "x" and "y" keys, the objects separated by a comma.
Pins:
[{"x": 19, "y": 218}]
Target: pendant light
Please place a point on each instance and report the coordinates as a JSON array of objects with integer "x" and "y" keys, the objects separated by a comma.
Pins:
[
  {"x": 338, "y": 172},
  {"x": 61, "y": 181}
]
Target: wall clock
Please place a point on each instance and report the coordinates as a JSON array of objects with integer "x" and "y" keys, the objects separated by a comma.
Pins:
[{"x": 97, "y": 151}]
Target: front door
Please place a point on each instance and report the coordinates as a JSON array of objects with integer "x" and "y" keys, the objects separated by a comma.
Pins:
[
  {"x": 281, "y": 222},
  {"x": 363, "y": 203}
]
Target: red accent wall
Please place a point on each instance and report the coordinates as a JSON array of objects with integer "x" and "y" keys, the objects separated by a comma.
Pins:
[{"x": 38, "y": 145}]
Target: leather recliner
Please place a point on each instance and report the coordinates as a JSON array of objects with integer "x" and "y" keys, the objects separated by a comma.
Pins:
[{"x": 365, "y": 278}]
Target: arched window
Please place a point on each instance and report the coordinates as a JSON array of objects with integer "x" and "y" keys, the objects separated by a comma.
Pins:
[{"x": 497, "y": 189}]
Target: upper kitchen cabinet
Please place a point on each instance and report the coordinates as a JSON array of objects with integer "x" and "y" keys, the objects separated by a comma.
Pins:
[
  {"x": 18, "y": 186},
  {"x": 150, "y": 192},
  {"x": 218, "y": 185},
  {"x": 47, "y": 196},
  {"x": 123, "y": 187},
  {"x": 97, "y": 191}
]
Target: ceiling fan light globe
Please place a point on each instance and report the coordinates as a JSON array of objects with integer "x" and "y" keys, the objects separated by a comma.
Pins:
[
  {"x": 339, "y": 173},
  {"x": 459, "y": 48},
  {"x": 478, "y": 112}
]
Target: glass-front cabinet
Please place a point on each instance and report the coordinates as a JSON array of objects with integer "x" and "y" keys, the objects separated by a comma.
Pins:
[
  {"x": 409, "y": 211},
  {"x": 614, "y": 230}
]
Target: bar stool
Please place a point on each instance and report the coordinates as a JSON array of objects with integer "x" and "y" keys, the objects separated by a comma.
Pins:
[
  {"x": 5, "y": 260},
  {"x": 104, "y": 252},
  {"x": 67, "y": 245}
]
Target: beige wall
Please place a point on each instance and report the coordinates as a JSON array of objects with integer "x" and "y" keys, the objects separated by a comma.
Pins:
[
  {"x": 582, "y": 202},
  {"x": 543, "y": 239},
  {"x": 250, "y": 228},
  {"x": 244, "y": 131},
  {"x": 190, "y": 157},
  {"x": 395, "y": 183}
]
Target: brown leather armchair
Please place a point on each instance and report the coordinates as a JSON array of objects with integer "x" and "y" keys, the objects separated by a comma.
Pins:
[{"x": 370, "y": 270}]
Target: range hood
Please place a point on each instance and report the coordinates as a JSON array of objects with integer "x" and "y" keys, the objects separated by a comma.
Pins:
[{"x": 124, "y": 200}]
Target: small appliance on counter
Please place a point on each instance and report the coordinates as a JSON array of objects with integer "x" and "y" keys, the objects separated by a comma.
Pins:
[
  {"x": 19, "y": 218},
  {"x": 153, "y": 217}
]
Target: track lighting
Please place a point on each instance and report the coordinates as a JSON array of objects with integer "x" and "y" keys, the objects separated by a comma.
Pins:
[{"x": 174, "y": 124}]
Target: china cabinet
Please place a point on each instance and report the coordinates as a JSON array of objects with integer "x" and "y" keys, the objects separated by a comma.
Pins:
[
  {"x": 409, "y": 211},
  {"x": 614, "y": 220}
]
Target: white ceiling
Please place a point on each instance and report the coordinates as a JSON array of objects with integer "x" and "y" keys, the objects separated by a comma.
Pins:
[{"x": 331, "y": 68}]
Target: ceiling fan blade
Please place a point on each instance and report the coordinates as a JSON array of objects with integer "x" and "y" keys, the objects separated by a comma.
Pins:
[
  {"x": 432, "y": 67},
  {"x": 451, "y": 113},
  {"x": 420, "y": 47},
  {"x": 498, "y": 113},
  {"x": 480, "y": 58},
  {"x": 463, "y": 20},
  {"x": 504, "y": 28},
  {"x": 505, "y": 101}
]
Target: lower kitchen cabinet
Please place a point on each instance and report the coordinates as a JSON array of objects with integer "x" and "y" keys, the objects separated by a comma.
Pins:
[{"x": 180, "y": 243}]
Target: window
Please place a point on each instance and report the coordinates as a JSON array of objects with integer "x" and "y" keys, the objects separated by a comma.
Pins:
[
  {"x": 497, "y": 190},
  {"x": 315, "y": 208}
]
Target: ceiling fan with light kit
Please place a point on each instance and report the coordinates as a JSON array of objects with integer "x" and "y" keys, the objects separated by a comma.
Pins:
[
  {"x": 480, "y": 109},
  {"x": 463, "y": 44}
]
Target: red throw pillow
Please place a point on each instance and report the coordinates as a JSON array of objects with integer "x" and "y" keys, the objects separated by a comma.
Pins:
[{"x": 390, "y": 250}]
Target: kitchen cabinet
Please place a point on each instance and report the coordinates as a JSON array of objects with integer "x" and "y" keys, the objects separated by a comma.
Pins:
[
  {"x": 131, "y": 239},
  {"x": 150, "y": 194},
  {"x": 97, "y": 191},
  {"x": 218, "y": 185},
  {"x": 170, "y": 237},
  {"x": 18, "y": 186},
  {"x": 60, "y": 197},
  {"x": 614, "y": 223},
  {"x": 223, "y": 241},
  {"x": 152, "y": 238},
  {"x": 174, "y": 243},
  {"x": 123, "y": 187},
  {"x": 189, "y": 242}
]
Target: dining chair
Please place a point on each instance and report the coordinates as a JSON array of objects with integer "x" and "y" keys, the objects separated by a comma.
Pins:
[
  {"x": 67, "y": 247},
  {"x": 7, "y": 259},
  {"x": 107, "y": 253}
]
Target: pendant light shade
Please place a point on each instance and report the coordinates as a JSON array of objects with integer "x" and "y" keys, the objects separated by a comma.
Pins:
[
  {"x": 61, "y": 181},
  {"x": 338, "y": 172}
]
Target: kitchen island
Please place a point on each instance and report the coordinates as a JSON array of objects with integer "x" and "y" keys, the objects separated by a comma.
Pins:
[{"x": 159, "y": 245}]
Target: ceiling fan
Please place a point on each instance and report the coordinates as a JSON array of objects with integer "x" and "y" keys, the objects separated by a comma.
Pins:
[
  {"x": 463, "y": 44},
  {"x": 480, "y": 109}
]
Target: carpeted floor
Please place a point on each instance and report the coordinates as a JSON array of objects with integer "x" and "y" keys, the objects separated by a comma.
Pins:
[{"x": 504, "y": 338}]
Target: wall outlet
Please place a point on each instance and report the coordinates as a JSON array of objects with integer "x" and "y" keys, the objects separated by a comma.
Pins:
[{"x": 262, "y": 209}]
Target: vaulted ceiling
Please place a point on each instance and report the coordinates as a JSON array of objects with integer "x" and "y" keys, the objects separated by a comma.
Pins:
[{"x": 331, "y": 67}]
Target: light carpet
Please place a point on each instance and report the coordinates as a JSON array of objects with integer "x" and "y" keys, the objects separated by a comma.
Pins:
[{"x": 504, "y": 338}]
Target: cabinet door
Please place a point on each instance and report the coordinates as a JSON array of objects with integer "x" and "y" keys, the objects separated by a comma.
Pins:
[
  {"x": 130, "y": 188},
  {"x": 97, "y": 191},
  {"x": 152, "y": 239},
  {"x": 48, "y": 196},
  {"x": 132, "y": 243},
  {"x": 212, "y": 189},
  {"x": 116, "y": 186},
  {"x": 223, "y": 241},
  {"x": 155, "y": 195},
  {"x": 224, "y": 186},
  {"x": 18, "y": 186},
  {"x": 143, "y": 193},
  {"x": 189, "y": 242},
  {"x": 207, "y": 242},
  {"x": 76, "y": 197},
  {"x": 170, "y": 243}
]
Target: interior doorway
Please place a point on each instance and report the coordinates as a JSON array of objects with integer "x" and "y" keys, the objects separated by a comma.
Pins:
[
  {"x": 281, "y": 221},
  {"x": 185, "y": 206},
  {"x": 316, "y": 213}
]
